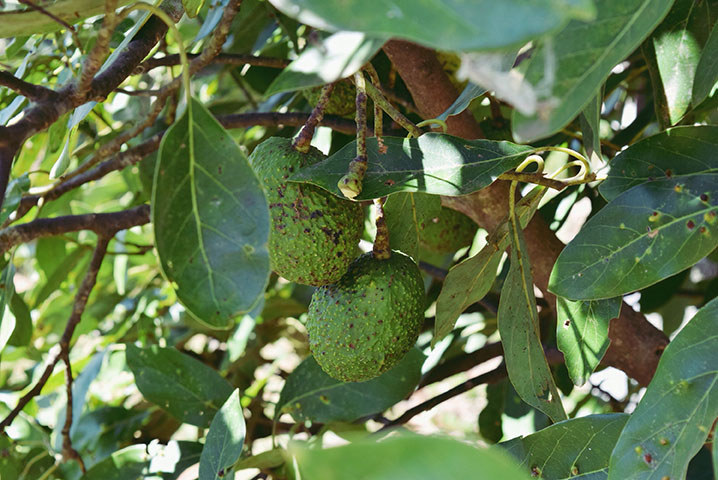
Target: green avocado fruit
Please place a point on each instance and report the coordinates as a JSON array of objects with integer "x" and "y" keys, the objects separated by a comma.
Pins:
[
  {"x": 342, "y": 101},
  {"x": 313, "y": 234},
  {"x": 447, "y": 232},
  {"x": 365, "y": 323}
]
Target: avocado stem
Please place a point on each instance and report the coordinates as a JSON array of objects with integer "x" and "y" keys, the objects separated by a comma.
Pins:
[
  {"x": 304, "y": 138},
  {"x": 378, "y": 112},
  {"x": 382, "y": 248},
  {"x": 351, "y": 183}
]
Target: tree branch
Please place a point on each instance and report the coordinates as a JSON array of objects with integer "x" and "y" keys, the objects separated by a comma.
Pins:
[
  {"x": 635, "y": 343},
  {"x": 78, "y": 308},
  {"x": 103, "y": 224},
  {"x": 222, "y": 59},
  {"x": 36, "y": 93}
]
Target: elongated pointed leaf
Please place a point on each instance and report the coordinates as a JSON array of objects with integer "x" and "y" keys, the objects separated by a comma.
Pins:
[
  {"x": 572, "y": 448},
  {"x": 130, "y": 463},
  {"x": 677, "y": 51},
  {"x": 644, "y": 235},
  {"x": 707, "y": 70},
  {"x": 211, "y": 219},
  {"x": 224, "y": 440},
  {"x": 582, "y": 333},
  {"x": 519, "y": 329},
  {"x": 311, "y": 394},
  {"x": 405, "y": 212},
  {"x": 590, "y": 121},
  {"x": 462, "y": 102},
  {"x": 578, "y": 60},
  {"x": 433, "y": 163},
  {"x": 188, "y": 389},
  {"x": 673, "y": 419},
  {"x": 675, "y": 153},
  {"x": 406, "y": 457},
  {"x": 336, "y": 57},
  {"x": 30, "y": 21},
  {"x": 467, "y": 282}
]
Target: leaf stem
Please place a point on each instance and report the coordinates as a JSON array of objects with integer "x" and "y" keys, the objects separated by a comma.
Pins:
[
  {"x": 351, "y": 183},
  {"x": 378, "y": 112},
  {"x": 379, "y": 98}
]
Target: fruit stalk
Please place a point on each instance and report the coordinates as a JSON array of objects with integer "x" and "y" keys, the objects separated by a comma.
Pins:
[
  {"x": 381, "y": 250},
  {"x": 304, "y": 138},
  {"x": 379, "y": 99},
  {"x": 378, "y": 112},
  {"x": 351, "y": 183}
]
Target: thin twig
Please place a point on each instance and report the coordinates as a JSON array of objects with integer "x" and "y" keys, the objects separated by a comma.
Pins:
[
  {"x": 304, "y": 138},
  {"x": 378, "y": 112},
  {"x": 351, "y": 183},
  {"x": 94, "y": 60},
  {"x": 378, "y": 97},
  {"x": 222, "y": 58},
  {"x": 70, "y": 28},
  {"x": 78, "y": 308}
]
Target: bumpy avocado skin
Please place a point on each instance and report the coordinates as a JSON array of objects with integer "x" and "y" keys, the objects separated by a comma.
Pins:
[
  {"x": 342, "y": 101},
  {"x": 365, "y": 323},
  {"x": 447, "y": 232},
  {"x": 313, "y": 234}
]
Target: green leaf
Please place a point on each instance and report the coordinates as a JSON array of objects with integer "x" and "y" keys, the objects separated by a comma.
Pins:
[
  {"x": 706, "y": 75},
  {"x": 462, "y": 102},
  {"x": 211, "y": 219},
  {"x": 77, "y": 258},
  {"x": 714, "y": 455},
  {"x": 224, "y": 440},
  {"x": 129, "y": 463},
  {"x": 442, "y": 24},
  {"x": 519, "y": 329},
  {"x": 675, "y": 153},
  {"x": 591, "y": 128},
  {"x": 7, "y": 291},
  {"x": 14, "y": 192},
  {"x": 337, "y": 56},
  {"x": 582, "y": 333},
  {"x": 434, "y": 163},
  {"x": 187, "y": 388},
  {"x": 677, "y": 52},
  {"x": 29, "y": 21},
  {"x": 673, "y": 419},
  {"x": 405, "y": 212},
  {"x": 644, "y": 235},
  {"x": 580, "y": 446},
  {"x": 469, "y": 281},
  {"x": 270, "y": 459},
  {"x": 22, "y": 334},
  {"x": 579, "y": 59},
  {"x": 406, "y": 457},
  {"x": 490, "y": 418},
  {"x": 311, "y": 394},
  {"x": 192, "y": 7}
]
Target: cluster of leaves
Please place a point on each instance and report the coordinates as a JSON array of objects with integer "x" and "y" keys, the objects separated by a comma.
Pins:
[{"x": 160, "y": 345}]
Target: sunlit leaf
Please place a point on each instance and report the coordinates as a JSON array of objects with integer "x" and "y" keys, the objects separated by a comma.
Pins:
[{"x": 224, "y": 440}]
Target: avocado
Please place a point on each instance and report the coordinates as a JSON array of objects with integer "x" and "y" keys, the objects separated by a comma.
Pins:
[
  {"x": 341, "y": 101},
  {"x": 447, "y": 232},
  {"x": 313, "y": 234},
  {"x": 362, "y": 325}
]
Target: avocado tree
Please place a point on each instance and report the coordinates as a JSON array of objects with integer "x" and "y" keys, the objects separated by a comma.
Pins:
[{"x": 362, "y": 240}]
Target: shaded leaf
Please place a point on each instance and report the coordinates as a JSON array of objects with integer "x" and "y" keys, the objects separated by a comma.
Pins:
[
  {"x": 582, "y": 333},
  {"x": 192, "y": 7},
  {"x": 576, "y": 448},
  {"x": 469, "y": 281},
  {"x": 706, "y": 75},
  {"x": 311, "y": 394},
  {"x": 337, "y": 56},
  {"x": 270, "y": 459},
  {"x": 490, "y": 423},
  {"x": 406, "y": 457},
  {"x": 673, "y": 419},
  {"x": 405, "y": 212},
  {"x": 519, "y": 329},
  {"x": 225, "y": 438},
  {"x": 567, "y": 70},
  {"x": 677, "y": 52},
  {"x": 674, "y": 153},
  {"x": 7, "y": 291},
  {"x": 13, "y": 194},
  {"x": 187, "y": 388},
  {"x": 590, "y": 121},
  {"x": 644, "y": 235},
  {"x": 211, "y": 219},
  {"x": 462, "y": 102},
  {"x": 434, "y": 163},
  {"x": 22, "y": 334},
  {"x": 126, "y": 464},
  {"x": 441, "y": 24}
]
